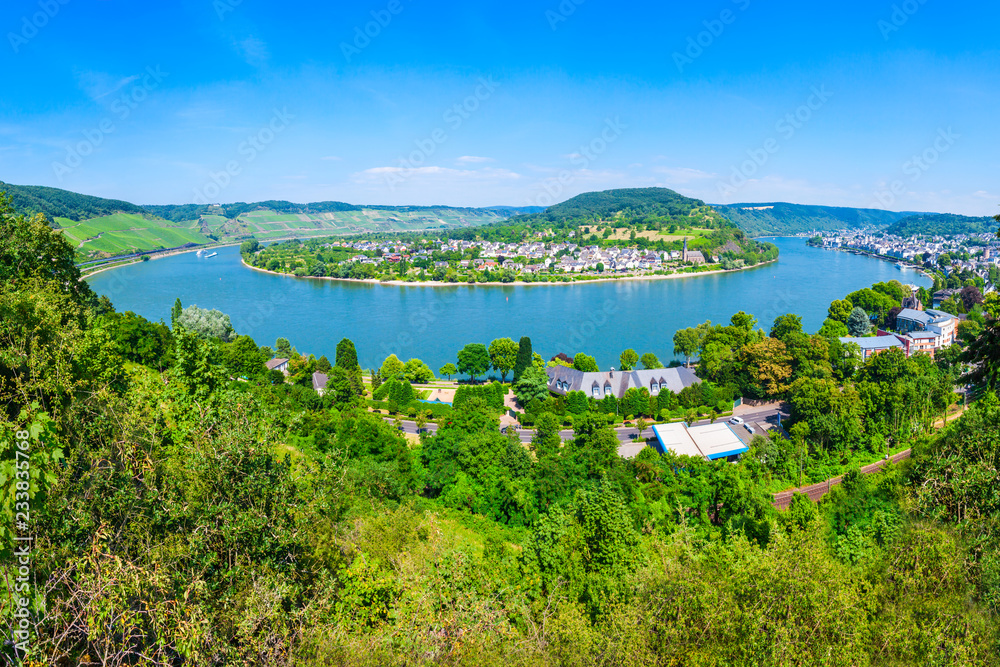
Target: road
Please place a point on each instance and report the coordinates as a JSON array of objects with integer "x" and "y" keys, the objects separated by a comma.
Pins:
[{"x": 626, "y": 434}]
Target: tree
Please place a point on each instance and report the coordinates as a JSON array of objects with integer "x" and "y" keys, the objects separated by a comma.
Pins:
[
  {"x": 30, "y": 248},
  {"x": 448, "y": 370},
  {"x": 243, "y": 358},
  {"x": 347, "y": 356},
  {"x": 576, "y": 403},
  {"x": 650, "y": 362},
  {"x": 417, "y": 371},
  {"x": 628, "y": 359},
  {"x": 971, "y": 297},
  {"x": 175, "y": 313},
  {"x": 840, "y": 310},
  {"x": 786, "y": 325},
  {"x": 686, "y": 344},
  {"x": 391, "y": 367},
  {"x": 524, "y": 357},
  {"x": 547, "y": 440},
  {"x": 283, "y": 348},
  {"x": 768, "y": 366},
  {"x": 640, "y": 427},
  {"x": 207, "y": 323},
  {"x": 584, "y": 362},
  {"x": 503, "y": 356},
  {"x": 833, "y": 329},
  {"x": 533, "y": 384},
  {"x": 473, "y": 360},
  {"x": 858, "y": 323}
]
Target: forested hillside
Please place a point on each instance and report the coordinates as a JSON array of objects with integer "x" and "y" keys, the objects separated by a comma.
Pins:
[
  {"x": 189, "y": 507},
  {"x": 779, "y": 218},
  {"x": 55, "y": 203},
  {"x": 942, "y": 224},
  {"x": 634, "y": 202}
]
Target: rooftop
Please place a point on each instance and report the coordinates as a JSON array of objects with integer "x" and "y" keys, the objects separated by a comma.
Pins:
[{"x": 710, "y": 441}]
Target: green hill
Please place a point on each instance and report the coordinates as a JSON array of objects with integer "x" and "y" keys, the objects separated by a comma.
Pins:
[
  {"x": 55, "y": 203},
  {"x": 634, "y": 202},
  {"x": 649, "y": 218},
  {"x": 100, "y": 228},
  {"x": 781, "y": 218},
  {"x": 942, "y": 224}
]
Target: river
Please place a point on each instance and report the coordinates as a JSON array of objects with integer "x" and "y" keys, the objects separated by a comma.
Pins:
[{"x": 433, "y": 323}]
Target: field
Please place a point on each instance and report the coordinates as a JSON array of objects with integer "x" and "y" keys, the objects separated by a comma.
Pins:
[{"x": 124, "y": 233}]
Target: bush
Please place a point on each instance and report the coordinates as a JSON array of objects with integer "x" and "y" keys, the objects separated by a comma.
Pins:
[{"x": 492, "y": 394}]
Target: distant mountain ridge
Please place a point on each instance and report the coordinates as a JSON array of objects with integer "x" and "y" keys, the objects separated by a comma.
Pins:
[
  {"x": 57, "y": 203},
  {"x": 780, "y": 218},
  {"x": 942, "y": 224}
]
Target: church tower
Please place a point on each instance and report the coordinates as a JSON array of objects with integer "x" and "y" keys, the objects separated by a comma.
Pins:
[{"x": 684, "y": 256}]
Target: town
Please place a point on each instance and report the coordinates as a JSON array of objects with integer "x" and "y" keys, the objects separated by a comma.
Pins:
[
  {"x": 958, "y": 255},
  {"x": 455, "y": 260}
]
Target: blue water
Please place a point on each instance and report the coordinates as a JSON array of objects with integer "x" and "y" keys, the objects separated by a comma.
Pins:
[{"x": 433, "y": 323}]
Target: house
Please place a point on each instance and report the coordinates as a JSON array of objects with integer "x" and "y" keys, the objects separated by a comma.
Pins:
[
  {"x": 935, "y": 321},
  {"x": 278, "y": 365},
  {"x": 709, "y": 441},
  {"x": 874, "y": 345},
  {"x": 319, "y": 382},
  {"x": 912, "y": 302},
  {"x": 943, "y": 295},
  {"x": 563, "y": 380}
]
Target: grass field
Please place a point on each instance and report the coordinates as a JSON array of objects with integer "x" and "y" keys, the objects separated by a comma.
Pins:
[{"x": 124, "y": 233}]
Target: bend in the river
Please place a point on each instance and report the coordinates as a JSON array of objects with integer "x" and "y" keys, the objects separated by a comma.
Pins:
[{"x": 601, "y": 318}]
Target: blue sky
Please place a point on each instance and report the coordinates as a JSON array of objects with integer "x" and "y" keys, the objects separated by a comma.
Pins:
[{"x": 879, "y": 104}]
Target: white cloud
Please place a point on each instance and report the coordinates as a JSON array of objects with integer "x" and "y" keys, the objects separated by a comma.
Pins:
[
  {"x": 473, "y": 159},
  {"x": 254, "y": 51},
  {"x": 98, "y": 85}
]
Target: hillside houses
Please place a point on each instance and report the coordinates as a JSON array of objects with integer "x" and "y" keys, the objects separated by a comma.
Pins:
[{"x": 983, "y": 250}]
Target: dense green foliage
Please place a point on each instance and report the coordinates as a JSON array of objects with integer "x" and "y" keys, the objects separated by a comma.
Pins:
[
  {"x": 780, "y": 218},
  {"x": 183, "y": 515},
  {"x": 55, "y": 203},
  {"x": 656, "y": 202},
  {"x": 941, "y": 224}
]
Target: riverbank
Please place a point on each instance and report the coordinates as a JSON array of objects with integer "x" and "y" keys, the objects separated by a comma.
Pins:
[
  {"x": 892, "y": 260},
  {"x": 516, "y": 283}
]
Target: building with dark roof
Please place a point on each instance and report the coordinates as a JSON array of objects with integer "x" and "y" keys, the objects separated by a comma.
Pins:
[
  {"x": 278, "y": 364},
  {"x": 319, "y": 382},
  {"x": 563, "y": 380}
]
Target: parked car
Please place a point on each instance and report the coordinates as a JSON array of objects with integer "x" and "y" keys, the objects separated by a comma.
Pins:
[
  {"x": 749, "y": 428},
  {"x": 736, "y": 420}
]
